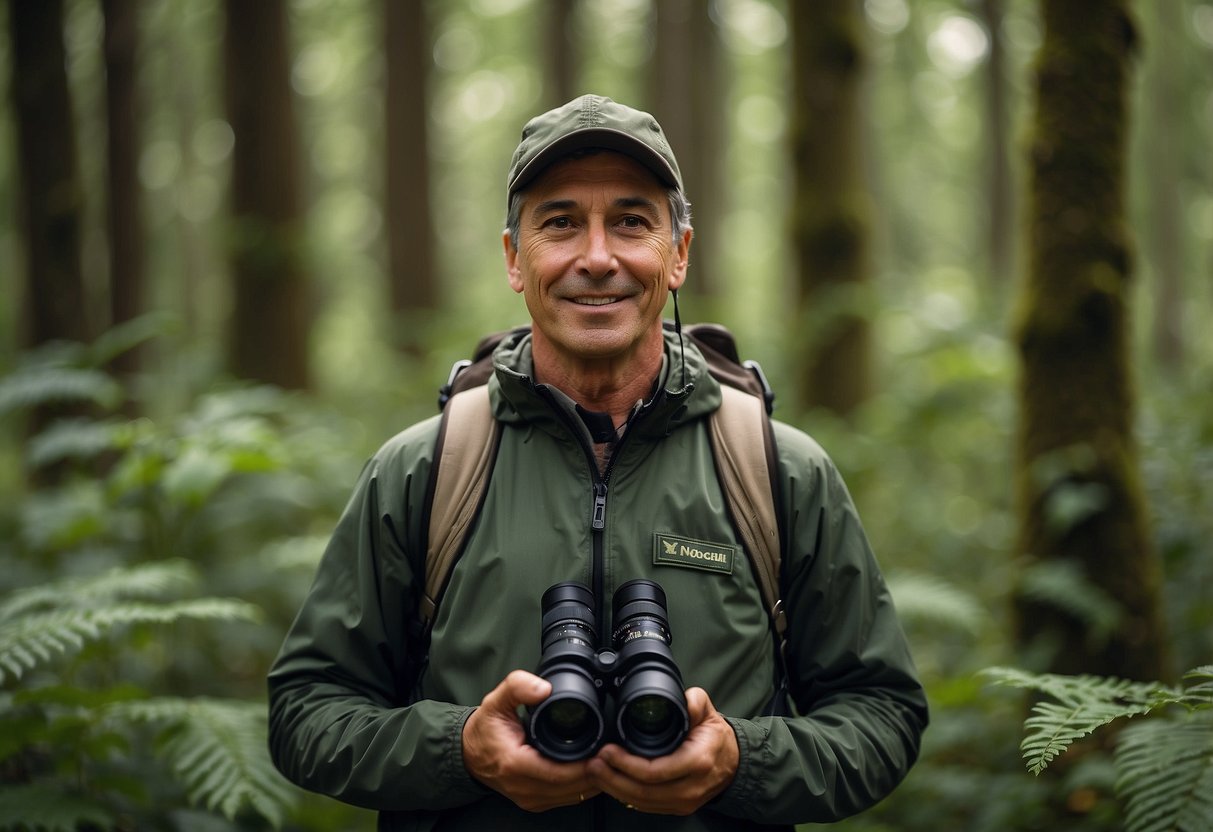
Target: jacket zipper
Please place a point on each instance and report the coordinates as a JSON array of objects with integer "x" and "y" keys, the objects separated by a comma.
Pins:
[{"x": 601, "y": 480}]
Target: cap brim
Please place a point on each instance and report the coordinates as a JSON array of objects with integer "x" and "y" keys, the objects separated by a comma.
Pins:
[{"x": 600, "y": 137}]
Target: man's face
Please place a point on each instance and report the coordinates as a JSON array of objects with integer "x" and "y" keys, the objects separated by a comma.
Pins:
[{"x": 596, "y": 258}]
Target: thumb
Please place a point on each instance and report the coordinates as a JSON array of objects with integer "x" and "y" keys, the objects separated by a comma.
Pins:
[
  {"x": 518, "y": 688},
  {"x": 699, "y": 705}
]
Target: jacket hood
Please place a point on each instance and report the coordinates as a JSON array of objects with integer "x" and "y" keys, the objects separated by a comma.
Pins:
[{"x": 517, "y": 398}]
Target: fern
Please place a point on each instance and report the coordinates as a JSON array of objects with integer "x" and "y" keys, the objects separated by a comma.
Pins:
[
  {"x": 78, "y": 439},
  {"x": 41, "y": 807},
  {"x": 1165, "y": 774},
  {"x": 148, "y": 580},
  {"x": 1084, "y": 703},
  {"x": 928, "y": 598},
  {"x": 35, "y": 386},
  {"x": 217, "y": 750},
  {"x": 39, "y": 638},
  {"x": 1164, "y": 767},
  {"x": 41, "y": 624}
]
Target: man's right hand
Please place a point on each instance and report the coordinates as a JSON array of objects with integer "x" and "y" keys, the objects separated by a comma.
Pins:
[{"x": 496, "y": 753}]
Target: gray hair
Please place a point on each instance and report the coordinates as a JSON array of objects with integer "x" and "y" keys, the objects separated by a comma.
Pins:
[{"x": 680, "y": 211}]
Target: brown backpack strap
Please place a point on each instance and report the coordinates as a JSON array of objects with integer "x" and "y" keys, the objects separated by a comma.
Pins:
[
  {"x": 468, "y": 444},
  {"x": 739, "y": 436}
]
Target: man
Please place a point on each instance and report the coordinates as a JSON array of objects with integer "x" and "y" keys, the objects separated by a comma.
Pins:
[{"x": 604, "y": 451}]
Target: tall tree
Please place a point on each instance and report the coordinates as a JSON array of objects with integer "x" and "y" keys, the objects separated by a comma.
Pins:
[
  {"x": 686, "y": 82},
  {"x": 126, "y": 233},
  {"x": 1000, "y": 193},
  {"x": 831, "y": 213},
  {"x": 410, "y": 232},
  {"x": 561, "y": 62},
  {"x": 52, "y": 193},
  {"x": 1080, "y": 499},
  {"x": 1165, "y": 134},
  {"x": 271, "y": 312}
]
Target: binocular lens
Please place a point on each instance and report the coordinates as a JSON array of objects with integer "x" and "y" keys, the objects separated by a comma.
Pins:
[{"x": 566, "y": 726}]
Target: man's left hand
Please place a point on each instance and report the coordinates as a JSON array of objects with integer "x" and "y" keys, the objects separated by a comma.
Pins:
[{"x": 681, "y": 782}]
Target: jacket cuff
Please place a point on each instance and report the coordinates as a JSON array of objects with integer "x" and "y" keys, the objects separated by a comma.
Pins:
[
  {"x": 738, "y": 799},
  {"x": 455, "y": 775}
]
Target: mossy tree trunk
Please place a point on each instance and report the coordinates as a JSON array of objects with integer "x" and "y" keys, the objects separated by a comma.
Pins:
[
  {"x": 272, "y": 311},
  {"x": 1080, "y": 499},
  {"x": 831, "y": 206},
  {"x": 412, "y": 245},
  {"x": 52, "y": 193},
  {"x": 125, "y": 219}
]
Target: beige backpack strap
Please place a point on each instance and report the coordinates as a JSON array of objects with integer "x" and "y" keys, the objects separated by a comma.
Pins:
[
  {"x": 468, "y": 443},
  {"x": 738, "y": 429}
]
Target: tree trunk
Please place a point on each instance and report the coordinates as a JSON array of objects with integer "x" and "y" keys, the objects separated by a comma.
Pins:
[
  {"x": 126, "y": 237},
  {"x": 411, "y": 241},
  {"x": 559, "y": 57},
  {"x": 1165, "y": 142},
  {"x": 831, "y": 213},
  {"x": 1080, "y": 499},
  {"x": 52, "y": 195},
  {"x": 686, "y": 83},
  {"x": 1000, "y": 189},
  {"x": 271, "y": 313}
]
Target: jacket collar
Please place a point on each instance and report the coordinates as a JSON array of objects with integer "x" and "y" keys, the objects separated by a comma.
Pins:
[{"x": 517, "y": 399}]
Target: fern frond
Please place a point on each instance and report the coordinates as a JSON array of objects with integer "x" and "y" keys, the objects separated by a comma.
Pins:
[
  {"x": 76, "y": 439},
  {"x": 928, "y": 598},
  {"x": 49, "y": 385},
  {"x": 1084, "y": 703},
  {"x": 148, "y": 580},
  {"x": 41, "y": 807},
  {"x": 1165, "y": 774},
  {"x": 1053, "y": 727},
  {"x": 1199, "y": 694},
  {"x": 38, "y": 638},
  {"x": 217, "y": 749}
]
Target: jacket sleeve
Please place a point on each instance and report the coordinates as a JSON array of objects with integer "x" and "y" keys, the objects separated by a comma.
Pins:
[
  {"x": 339, "y": 720},
  {"x": 860, "y": 709}
]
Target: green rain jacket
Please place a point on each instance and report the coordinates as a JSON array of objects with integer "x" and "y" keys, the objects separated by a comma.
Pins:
[{"x": 344, "y": 721}]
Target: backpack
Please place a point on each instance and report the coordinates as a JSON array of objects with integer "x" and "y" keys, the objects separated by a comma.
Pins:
[{"x": 743, "y": 445}]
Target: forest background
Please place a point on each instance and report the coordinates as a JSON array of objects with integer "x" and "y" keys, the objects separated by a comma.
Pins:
[{"x": 241, "y": 244}]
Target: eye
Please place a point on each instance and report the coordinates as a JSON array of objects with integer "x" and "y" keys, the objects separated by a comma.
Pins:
[
  {"x": 633, "y": 221},
  {"x": 558, "y": 223}
]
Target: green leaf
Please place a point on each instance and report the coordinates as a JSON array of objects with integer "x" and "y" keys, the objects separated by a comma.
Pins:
[
  {"x": 34, "y": 386},
  {"x": 1084, "y": 703},
  {"x": 929, "y": 598},
  {"x": 32, "y": 640},
  {"x": 45, "y": 807},
  {"x": 1165, "y": 774},
  {"x": 217, "y": 749}
]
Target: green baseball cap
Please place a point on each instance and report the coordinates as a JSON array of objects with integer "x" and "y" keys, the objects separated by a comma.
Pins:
[{"x": 591, "y": 121}]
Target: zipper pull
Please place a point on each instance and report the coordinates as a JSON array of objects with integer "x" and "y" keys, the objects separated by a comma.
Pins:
[{"x": 600, "y": 494}]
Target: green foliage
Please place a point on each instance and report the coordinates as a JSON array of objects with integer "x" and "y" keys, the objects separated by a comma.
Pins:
[
  {"x": 217, "y": 749},
  {"x": 1164, "y": 766},
  {"x": 43, "y": 623},
  {"x": 124, "y": 697},
  {"x": 42, "y": 808}
]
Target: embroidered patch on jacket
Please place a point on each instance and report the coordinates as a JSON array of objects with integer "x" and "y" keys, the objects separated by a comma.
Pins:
[{"x": 672, "y": 550}]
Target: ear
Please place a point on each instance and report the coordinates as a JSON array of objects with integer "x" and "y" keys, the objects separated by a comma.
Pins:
[
  {"x": 682, "y": 259},
  {"x": 512, "y": 271}
]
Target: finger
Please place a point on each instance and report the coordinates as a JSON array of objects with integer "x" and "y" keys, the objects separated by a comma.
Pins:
[{"x": 518, "y": 688}]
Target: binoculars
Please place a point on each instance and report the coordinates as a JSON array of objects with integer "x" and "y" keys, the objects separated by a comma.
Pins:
[{"x": 630, "y": 693}]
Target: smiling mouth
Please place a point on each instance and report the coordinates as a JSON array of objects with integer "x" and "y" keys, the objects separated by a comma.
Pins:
[{"x": 596, "y": 301}]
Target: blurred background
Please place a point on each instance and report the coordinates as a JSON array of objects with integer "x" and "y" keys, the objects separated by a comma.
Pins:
[{"x": 241, "y": 244}]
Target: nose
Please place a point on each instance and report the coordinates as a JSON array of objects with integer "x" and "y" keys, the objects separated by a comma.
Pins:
[{"x": 597, "y": 258}]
